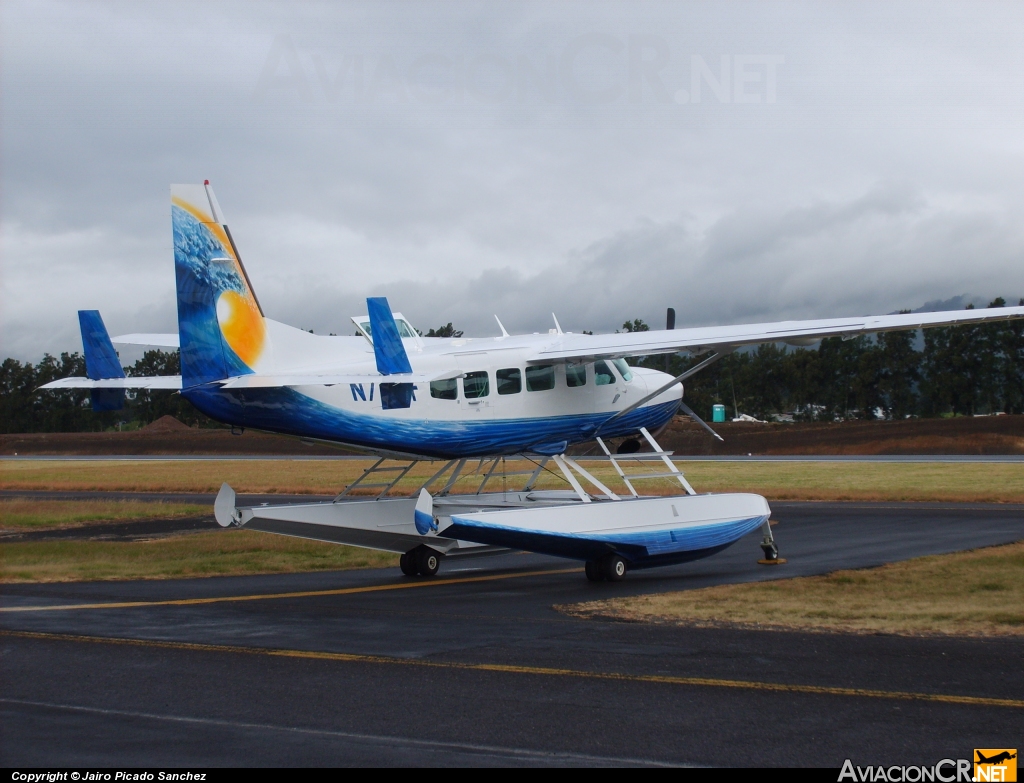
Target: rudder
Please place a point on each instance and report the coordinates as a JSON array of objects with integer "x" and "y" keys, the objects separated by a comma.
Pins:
[{"x": 220, "y": 321}]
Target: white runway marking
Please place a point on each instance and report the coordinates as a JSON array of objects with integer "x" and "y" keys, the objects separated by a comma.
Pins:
[{"x": 523, "y": 754}]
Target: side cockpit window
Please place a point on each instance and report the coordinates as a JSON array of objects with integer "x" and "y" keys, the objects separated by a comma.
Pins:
[
  {"x": 603, "y": 375},
  {"x": 475, "y": 385},
  {"x": 509, "y": 381},
  {"x": 445, "y": 390}
]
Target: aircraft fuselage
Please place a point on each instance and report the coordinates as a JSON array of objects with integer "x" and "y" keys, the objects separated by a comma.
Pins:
[{"x": 495, "y": 403}]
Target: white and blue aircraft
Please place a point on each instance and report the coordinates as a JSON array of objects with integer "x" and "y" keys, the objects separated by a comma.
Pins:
[{"x": 400, "y": 396}]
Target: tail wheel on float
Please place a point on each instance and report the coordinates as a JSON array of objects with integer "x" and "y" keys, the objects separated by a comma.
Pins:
[
  {"x": 594, "y": 572},
  {"x": 614, "y": 568},
  {"x": 427, "y": 561}
]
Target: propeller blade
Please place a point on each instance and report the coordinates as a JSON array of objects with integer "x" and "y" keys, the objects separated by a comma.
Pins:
[
  {"x": 678, "y": 379},
  {"x": 689, "y": 412}
]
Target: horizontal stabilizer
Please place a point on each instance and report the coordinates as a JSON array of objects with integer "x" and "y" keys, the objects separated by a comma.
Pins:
[
  {"x": 139, "y": 338},
  {"x": 141, "y": 382}
]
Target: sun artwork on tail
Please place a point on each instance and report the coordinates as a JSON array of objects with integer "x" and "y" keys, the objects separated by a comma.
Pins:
[
  {"x": 212, "y": 257},
  {"x": 242, "y": 325}
]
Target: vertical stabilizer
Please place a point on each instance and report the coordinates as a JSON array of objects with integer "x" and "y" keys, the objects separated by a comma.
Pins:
[
  {"x": 101, "y": 361},
  {"x": 220, "y": 321},
  {"x": 388, "y": 349}
]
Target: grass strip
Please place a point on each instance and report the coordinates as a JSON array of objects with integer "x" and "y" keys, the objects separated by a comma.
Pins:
[
  {"x": 28, "y": 514},
  {"x": 976, "y": 593},
  {"x": 218, "y": 553},
  {"x": 861, "y": 481}
]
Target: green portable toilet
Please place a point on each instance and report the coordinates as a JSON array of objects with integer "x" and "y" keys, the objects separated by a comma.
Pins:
[{"x": 717, "y": 413}]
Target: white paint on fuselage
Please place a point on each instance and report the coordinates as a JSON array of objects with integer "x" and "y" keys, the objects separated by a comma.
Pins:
[{"x": 292, "y": 351}]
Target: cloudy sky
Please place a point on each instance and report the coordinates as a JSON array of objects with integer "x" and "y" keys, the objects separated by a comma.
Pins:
[{"x": 737, "y": 161}]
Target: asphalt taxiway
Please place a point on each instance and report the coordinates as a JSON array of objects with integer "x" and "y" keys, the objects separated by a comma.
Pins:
[{"x": 478, "y": 667}]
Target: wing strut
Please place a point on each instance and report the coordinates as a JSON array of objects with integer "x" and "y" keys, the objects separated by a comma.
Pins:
[{"x": 689, "y": 412}]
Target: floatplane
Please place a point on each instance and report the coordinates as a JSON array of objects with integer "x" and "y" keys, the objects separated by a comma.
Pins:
[{"x": 389, "y": 392}]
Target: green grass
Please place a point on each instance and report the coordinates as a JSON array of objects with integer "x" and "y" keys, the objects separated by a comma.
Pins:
[
  {"x": 217, "y": 553},
  {"x": 866, "y": 481},
  {"x": 31, "y": 514},
  {"x": 976, "y": 593}
]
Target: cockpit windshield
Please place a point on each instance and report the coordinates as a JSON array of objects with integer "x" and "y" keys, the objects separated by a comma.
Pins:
[
  {"x": 623, "y": 368},
  {"x": 404, "y": 329}
]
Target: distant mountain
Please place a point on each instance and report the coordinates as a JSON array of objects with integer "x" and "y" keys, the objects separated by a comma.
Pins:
[{"x": 957, "y": 303}]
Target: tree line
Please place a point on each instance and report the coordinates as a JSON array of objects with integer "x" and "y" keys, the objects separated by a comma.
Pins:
[
  {"x": 957, "y": 370},
  {"x": 23, "y": 409}
]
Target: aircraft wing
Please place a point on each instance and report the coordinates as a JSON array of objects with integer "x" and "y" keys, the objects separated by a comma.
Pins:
[
  {"x": 701, "y": 339},
  {"x": 140, "y": 382},
  {"x": 138, "y": 338}
]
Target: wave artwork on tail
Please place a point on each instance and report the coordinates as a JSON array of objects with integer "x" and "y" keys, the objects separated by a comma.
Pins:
[{"x": 220, "y": 321}]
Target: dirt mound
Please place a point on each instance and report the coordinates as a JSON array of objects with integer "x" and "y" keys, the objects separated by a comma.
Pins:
[{"x": 165, "y": 424}]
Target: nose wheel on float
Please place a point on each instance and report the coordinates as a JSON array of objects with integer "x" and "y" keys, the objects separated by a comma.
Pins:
[{"x": 421, "y": 561}]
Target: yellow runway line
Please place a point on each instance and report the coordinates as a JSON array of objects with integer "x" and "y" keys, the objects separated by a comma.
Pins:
[
  {"x": 268, "y": 596},
  {"x": 543, "y": 671}
]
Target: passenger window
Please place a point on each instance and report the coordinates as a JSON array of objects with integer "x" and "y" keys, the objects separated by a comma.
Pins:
[
  {"x": 445, "y": 390},
  {"x": 623, "y": 368},
  {"x": 475, "y": 385},
  {"x": 575, "y": 375},
  {"x": 603, "y": 374},
  {"x": 509, "y": 381},
  {"x": 540, "y": 377}
]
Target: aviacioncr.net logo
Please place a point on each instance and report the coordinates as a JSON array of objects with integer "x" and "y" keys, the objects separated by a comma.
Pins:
[{"x": 945, "y": 771}]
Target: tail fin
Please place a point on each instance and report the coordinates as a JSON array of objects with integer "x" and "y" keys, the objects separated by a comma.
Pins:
[
  {"x": 220, "y": 321},
  {"x": 101, "y": 361},
  {"x": 387, "y": 344}
]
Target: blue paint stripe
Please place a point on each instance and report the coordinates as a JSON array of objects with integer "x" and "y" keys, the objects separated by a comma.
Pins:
[
  {"x": 288, "y": 411},
  {"x": 636, "y": 547}
]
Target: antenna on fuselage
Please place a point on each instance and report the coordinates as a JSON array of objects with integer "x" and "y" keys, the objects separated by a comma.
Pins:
[{"x": 501, "y": 326}]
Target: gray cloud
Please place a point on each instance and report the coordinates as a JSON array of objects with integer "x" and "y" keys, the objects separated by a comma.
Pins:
[{"x": 466, "y": 159}]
